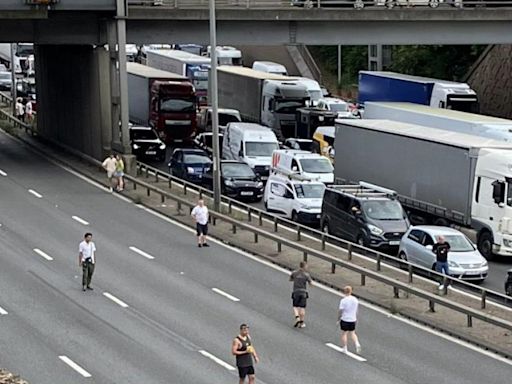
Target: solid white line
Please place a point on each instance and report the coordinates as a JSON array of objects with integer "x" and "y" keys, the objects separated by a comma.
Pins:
[
  {"x": 36, "y": 194},
  {"x": 3, "y": 311},
  {"x": 2, "y": 173},
  {"x": 80, "y": 220},
  {"x": 220, "y": 292},
  {"x": 348, "y": 353},
  {"x": 75, "y": 366},
  {"x": 42, "y": 254},
  {"x": 142, "y": 253},
  {"x": 217, "y": 360},
  {"x": 115, "y": 300}
]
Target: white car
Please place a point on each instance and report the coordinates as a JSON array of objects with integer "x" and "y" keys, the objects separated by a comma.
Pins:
[
  {"x": 340, "y": 107},
  {"x": 464, "y": 260}
]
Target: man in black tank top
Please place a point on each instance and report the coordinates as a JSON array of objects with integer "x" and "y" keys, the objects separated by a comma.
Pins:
[{"x": 244, "y": 352}]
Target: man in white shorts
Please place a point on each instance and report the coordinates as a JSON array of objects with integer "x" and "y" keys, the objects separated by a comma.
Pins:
[
  {"x": 109, "y": 164},
  {"x": 347, "y": 315}
]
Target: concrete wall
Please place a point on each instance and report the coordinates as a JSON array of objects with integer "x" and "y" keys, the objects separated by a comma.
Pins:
[
  {"x": 278, "y": 54},
  {"x": 491, "y": 78},
  {"x": 73, "y": 96}
]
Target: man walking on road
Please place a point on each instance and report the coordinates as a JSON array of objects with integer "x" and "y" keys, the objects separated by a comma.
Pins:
[
  {"x": 244, "y": 351},
  {"x": 109, "y": 165},
  {"x": 347, "y": 315},
  {"x": 300, "y": 279},
  {"x": 87, "y": 260},
  {"x": 441, "y": 249},
  {"x": 200, "y": 215}
]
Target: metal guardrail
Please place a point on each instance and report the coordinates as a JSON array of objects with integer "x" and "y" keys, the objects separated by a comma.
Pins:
[
  {"x": 6, "y": 99},
  {"x": 323, "y": 238}
]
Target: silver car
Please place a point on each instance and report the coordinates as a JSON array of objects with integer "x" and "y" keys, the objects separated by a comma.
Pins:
[{"x": 464, "y": 260}]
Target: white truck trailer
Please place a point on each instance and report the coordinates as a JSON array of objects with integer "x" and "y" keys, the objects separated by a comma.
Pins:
[{"x": 442, "y": 177}]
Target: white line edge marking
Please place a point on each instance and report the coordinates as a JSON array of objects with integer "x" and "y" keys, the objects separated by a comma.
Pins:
[
  {"x": 115, "y": 299},
  {"x": 42, "y": 254},
  {"x": 283, "y": 270},
  {"x": 217, "y": 360},
  {"x": 225, "y": 294},
  {"x": 80, "y": 220},
  {"x": 142, "y": 253},
  {"x": 3, "y": 311},
  {"x": 348, "y": 353},
  {"x": 35, "y": 193},
  {"x": 75, "y": 366},
  {"x": 2, "y": 173}
]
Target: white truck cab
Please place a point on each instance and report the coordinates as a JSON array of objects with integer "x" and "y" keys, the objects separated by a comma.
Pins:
[
  {"x": 270, "y": 67},
  {"x": 251, "y": 143},
  {"x": 298, "y": 198},
  {"x": 303, "y": 163},
  {"x": 338, "y": 106},
  {"x": 314, "y": 90}
]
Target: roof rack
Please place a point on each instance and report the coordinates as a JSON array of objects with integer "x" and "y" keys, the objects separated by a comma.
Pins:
[
  {"x": 291, "y": 175},
  {"x": 364, "y": 189}
]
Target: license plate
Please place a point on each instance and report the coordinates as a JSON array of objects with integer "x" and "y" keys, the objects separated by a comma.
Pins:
[
  {"x": 246, "y": 193},
  {"x": 150, "y": 152},
  {"x": 394, "y": 242},
  {"x": 472, "y": 272}
]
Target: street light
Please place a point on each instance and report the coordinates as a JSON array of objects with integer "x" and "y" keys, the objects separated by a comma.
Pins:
[{"x": 215, "y": 107}]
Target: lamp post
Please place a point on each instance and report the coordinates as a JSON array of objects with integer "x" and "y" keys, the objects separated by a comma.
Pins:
[
  {"x": 212, "y": 95},
  {"x": 14, "y": 84}
]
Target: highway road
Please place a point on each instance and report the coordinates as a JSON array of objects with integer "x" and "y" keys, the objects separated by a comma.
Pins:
[{"x": 165, "y": 311}]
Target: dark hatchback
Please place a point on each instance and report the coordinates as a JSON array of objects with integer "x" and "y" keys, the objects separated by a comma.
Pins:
[
  {"x": 189, "y": 164},
  {"x": 145, "y": 143},
  {"x": 238, "y": 181}
]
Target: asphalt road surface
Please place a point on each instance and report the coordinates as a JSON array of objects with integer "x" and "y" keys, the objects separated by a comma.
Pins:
[{"x": 165, "y": 311}]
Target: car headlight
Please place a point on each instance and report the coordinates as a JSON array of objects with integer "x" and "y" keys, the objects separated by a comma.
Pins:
[
  {"x": 162, "y": 146},
  {"x": 260, "y": 184},
  {"x": 484, "y": 263},
  {"x": 507, "y": 243},
  {"x": 375, "y": 230},
  {"x": 229, "y": 183},
  {"x": 453, "y": 264},
  {"x": 190, "y": 170},
  {"x": 135, "y": 146}
]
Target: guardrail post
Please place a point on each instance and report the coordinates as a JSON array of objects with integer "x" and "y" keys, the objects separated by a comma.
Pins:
[
  {"x": 249, "y": 215},
  {"x": 162, "y": 198},
  {"x": 470, "y": 321},
  {"x": 134, "y": 185},
  {"x": 409, "y": 269},
  {"x": 234, "y": 228},
  {"x": 279, "y": 247},
  {"x": 184, "y": 189},
  {"x": 170, "y": 183},
  {"x": 484, "y": 297},
  {"x": 139, "y": 170},
  {"x": 275, "y": 223},
  {"x": 148, "y": 191},
  {"x": 179, "y": 207},
  {"x": 431, "y": 306},
  {"x": 379, "y": 259},
  {"x": 298, "y": 233},
  {"x": 305, "y": 256},
  {"x": 200, "y": 194},
  {"x": 333, "y": 268},
  {"x": 147, "y": 172},
  {"x": 363, "y": 280},
  {"x": 156, "y": 177},
  {"x": 214, "y": 221},
  {"x": 396, "y": 293},
  {"x": 255, "y": 237},
  {"x": 349, "y": 252},
  {"x": 323, "y": 241},
  {"x": 230, "y": 208},
  {"x": 260, "y": 219}
]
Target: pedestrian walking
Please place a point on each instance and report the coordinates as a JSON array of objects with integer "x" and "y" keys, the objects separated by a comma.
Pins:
[
  {"x": 347, "y": 315},
  {"x": 87, "y": 260},
  {"x": 20, "y": 109},
  {"x": 300, "y": 278},
  {"x": 109, "y": 165},
  {"x": 200, "y": 215},
  {"x": 29, "y": 112},
  {"x": 441, "y": 249},
  {"x": 244, "y": 352},
  {"x": 119, "y": 173}
]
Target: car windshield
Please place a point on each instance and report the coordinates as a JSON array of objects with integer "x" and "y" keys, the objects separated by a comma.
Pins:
[
  {"x": 5, "y": 75},
  {"x": 317, "y": 165},
  {"x": 224, "y": 119},
  {"x": 383, "y": 210},
  {"x": 237, "y": 170},
  {"x": 255, "y": 148},
  {"x": 25, "y": 49},
  {"x": 146, "y": 134},
  {"x": 341, "y": 107},
  {"x": 459, "y": 243},
  {"x": 315, "y": 95},
  {"x": 289, "y": 106},
  {"x": 177, "y": 105},
  {"x": 196, "y": 158},
  {"x": 310, "y": 191}
]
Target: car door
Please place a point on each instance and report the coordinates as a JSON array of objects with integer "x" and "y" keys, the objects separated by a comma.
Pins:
[
  {"x": 428, "y": 257},
  {"x": 207, "y": 180},
  {"x": 414, "y": 248},
  {"x": 340, "y": 217},
  {"x": 173, "y": 162},
  {"x": 276, "y": 195},
  {"x": 179, "y": 166}
]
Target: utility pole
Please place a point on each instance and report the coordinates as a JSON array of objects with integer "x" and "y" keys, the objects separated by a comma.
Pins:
[
  {"x": 14, "y": 89},
  {"x": 212, "y": 96}
]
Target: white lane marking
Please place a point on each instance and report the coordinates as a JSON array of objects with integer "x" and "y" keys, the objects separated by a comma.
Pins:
[
  {"x": 115, "y": 299},
  {"x": 348, "y": 353},
  {"x": 2, "y": 173},
  {"x": 42, "y": 254},
  {"x": 75, "y": 366},
  {"x": 217, "y": 360},
  {"x": 142, "y": 253},
  {"x": 225, "y": 294},
  {"x": 80, "y": 220},
  {"x": 35, "y": 193},
  {"x": 3, "y": 311}
]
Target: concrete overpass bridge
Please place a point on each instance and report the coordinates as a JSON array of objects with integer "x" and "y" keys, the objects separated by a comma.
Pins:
[{"x": 80, "y": 54}]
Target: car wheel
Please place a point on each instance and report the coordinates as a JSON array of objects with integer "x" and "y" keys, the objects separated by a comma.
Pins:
[
  {"x": 433, "y": 3},
  {"x": 360, "y": 240},
  {"x": 485, "y": 242},
  {"x": 402, "y": 256},
  {"x": 265, "y": 204},
  {"x": 508, "y": 290},
  {"x": 295, "y": 217}
]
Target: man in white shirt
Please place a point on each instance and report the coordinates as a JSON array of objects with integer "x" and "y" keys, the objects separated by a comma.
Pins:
[
  {"x": 109, "y": 164},
  {"x": 87, "y": 260},
  {"x": 200, "y": 215},
  {"x": 347, "y": 315}
]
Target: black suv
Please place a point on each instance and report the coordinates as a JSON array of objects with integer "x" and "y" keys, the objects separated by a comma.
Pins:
[
  {"x": 365, "y": 214},
  {"x": 146, "y": 143}
]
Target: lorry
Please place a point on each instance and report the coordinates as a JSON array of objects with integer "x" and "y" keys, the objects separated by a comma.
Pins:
[
  {"x": 194, "y": 67},
  {"x": 163, "y": 100},
  {"x": 226, "y": 55},
  {"x": 456, "y": 121},
  {"x": 310, "y": 118},
  {"x": 263, "y": 98},
  {"x": 441, "y": 177},
  {"x": 391, "y": 86},
  {"x": 204, "y": 118},
  {"x": 23, "y": 57}
]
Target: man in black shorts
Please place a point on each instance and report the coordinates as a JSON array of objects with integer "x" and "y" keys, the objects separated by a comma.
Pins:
[
  {"x": 300, "y": 279},
  {"x": 200, "y": 215},
  {"x": 347, "y": 316},
  {"x": 244, "y": 351}
]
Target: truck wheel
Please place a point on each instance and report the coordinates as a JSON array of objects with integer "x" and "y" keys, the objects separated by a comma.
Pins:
[
  {"x": 485, "y": 242},
  {"x": 441, "y": 222}
]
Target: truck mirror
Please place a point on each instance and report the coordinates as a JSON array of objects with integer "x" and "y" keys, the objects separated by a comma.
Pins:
[
  {"x": 241, "y": 153},
  {"x": 498, "y": 192}
]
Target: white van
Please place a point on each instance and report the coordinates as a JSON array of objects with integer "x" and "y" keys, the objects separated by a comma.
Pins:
[
  {"x": 251, "y": 143},
  {"x": 270, "y": 67},
  {"x": 303, "y": 163},
  {"x": 297, "y": 198}
]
